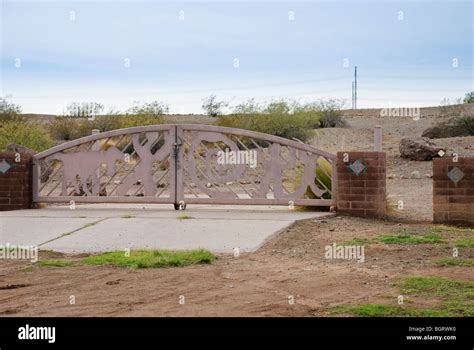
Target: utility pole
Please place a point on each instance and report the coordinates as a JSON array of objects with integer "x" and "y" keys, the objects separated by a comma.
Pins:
[
  {"x": 353, "y": 94},
  {"x": 355, "y": 87}
]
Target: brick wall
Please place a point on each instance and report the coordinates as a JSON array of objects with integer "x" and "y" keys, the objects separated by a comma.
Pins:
[
  {"x": 362, "y": 194},
  {"x": 453, "y": 201},
  {"x": 16, "y": 182}
]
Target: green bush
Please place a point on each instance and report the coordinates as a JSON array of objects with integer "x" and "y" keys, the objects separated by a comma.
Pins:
[
  {"x": 331, "y": 115},
  {"x": 103, "y": 123},
  {"x": 129, "y": 121},
  {"x": 154, "y": 108},
  {"x": 9, "y": 111},
  {"x": 29, "y": 135},
  {"x": 288, "y": 119},
  {"x": 469, "y": 98},
  {"x": 67, "y": 128},
  {"x": 283, "y": 125},
  {"x": 322, "y": 178}
]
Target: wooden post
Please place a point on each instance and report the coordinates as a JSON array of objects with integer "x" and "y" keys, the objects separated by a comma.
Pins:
[{"x": 378, "y": 139}]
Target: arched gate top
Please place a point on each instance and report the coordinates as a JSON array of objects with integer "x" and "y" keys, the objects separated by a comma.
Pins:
[{"x": 196, "y": 127}]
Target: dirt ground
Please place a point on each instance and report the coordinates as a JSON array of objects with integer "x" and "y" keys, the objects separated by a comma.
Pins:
[{"x": 292, "y": 265}]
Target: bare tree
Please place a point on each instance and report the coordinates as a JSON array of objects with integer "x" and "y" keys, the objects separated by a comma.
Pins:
[
  {"x": 212, "y": 106},
  {"x": 84, "y": 109}
]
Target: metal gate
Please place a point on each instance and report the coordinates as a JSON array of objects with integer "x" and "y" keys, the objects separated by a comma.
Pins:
[{"x": 182, "y": 164}]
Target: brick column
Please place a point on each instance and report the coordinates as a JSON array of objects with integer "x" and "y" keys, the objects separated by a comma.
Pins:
[
  {"x": 15, "y": 181},
  {"x": 453, "y": 190},
  {"x": 361, "y": 183}
]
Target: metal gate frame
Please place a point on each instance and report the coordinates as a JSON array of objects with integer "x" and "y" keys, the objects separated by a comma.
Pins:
[{"x": 180, "y": 150}]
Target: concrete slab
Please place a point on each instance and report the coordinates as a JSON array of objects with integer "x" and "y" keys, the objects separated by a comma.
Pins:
[
  {"x": 216, "y": 235},
  {"x": 106, "y": 227},
  {"x": 30, "y": 231}
]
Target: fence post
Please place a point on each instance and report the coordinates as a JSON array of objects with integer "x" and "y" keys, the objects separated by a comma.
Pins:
[
  {"x": 16, "y": 178},
  {"x": 378, "y": 138},
  {"x": 361, "y": 178}
]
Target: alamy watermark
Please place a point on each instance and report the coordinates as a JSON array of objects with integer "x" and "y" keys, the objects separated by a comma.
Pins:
[
  {"x": 237, "y": 157},
  {"x": 411, "y": 112},
  {"x": 354, "y": 252},
  {"x": 19, "y": 252},
  {"x": 37, "y": 333}
]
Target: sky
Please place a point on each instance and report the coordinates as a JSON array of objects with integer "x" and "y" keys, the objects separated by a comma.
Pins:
[{"x": 408, "y": 53}]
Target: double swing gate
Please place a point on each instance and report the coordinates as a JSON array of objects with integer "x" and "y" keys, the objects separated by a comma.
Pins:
[{"x": 185, "y": 164}]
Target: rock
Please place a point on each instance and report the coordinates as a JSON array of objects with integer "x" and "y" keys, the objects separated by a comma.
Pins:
[
  {"x": 428, "y": 176},
  {"x": 403, "y": 177},
  {"x": 419, "y": 149},
  {"x": 415, "y": 175},
  {"x": 13, "y": 147},
  {"x": 391, "y": 176},
  {"x": 45, "y": 169}
]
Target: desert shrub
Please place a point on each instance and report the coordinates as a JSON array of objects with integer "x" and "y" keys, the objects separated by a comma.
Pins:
[
  {"x": 278, "y": 107},
  {"x": 129, "y": 121},
  {"x": 9, "y": 111},
  {"x": 212, "y": 106},
  {"x": 70, "y": 128},
  {"x": 331, "y": 115},
  {"x": 29, "y": 135},
  {"x": 323, "y": 174},
  {"x": 466, "y": 125},
  {"x": 322, "y": 178},
  {"x": 247, "y": 107},
  {"x": 285, "y": 118},
  {"x": 280, "y": 118},
  {"x": 284, "y": 125},
  {"x": 457, "y": 127},
  {"x": 152, "y": 109},
  {"x": 66, "y": 128},
  {"x": 102, "y": 123},
  {"x": 469, "y": 98}
]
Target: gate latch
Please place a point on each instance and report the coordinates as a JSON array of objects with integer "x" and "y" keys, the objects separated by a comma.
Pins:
[{"x": 176, "y": 146}]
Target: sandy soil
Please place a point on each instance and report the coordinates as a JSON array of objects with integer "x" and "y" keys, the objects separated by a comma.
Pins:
[{"x": 258, "y": 284}]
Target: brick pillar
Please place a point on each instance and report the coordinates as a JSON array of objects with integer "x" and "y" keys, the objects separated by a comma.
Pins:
[
  {"x": 453, "y": 190},
  {"x": 361, "y": 183},
  {"x": 15, "y": 181}
]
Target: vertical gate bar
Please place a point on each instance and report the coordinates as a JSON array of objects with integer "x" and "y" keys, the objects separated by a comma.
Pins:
[
  {"x": 179, "y": 192},
  {"x": 172, "y": 162},
  {"x": 36, "y": 179}
]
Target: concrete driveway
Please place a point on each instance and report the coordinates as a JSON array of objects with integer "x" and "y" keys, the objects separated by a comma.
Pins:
[{"x": 107, "y": 227}]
